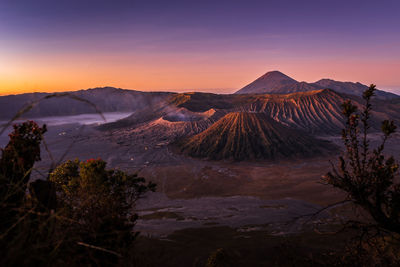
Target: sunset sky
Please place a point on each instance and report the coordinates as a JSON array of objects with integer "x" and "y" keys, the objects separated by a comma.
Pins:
[{"x": 215, "y": 46}]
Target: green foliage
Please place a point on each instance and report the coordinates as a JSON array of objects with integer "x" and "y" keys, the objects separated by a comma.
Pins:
[
  {"x": 82, "y": 215},
  {"x": 367, "y": 176},
  {"x": 100, "y": 201}
]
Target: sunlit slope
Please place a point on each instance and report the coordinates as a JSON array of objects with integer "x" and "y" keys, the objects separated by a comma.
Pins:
[{"x": 317, "y": 112}]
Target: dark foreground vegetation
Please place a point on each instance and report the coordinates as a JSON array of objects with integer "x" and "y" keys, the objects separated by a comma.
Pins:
[
  {"x": 84, "y": 214},
  {"x": 368, "y": 178}
]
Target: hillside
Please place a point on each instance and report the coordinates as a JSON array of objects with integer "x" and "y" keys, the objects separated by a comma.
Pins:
[
  {"x": 315, "y": 112},
  {"x": 243, "y": 135}
]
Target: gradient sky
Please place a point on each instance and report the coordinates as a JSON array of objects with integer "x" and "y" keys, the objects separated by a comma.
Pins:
[{"x": 216, "y": 46}]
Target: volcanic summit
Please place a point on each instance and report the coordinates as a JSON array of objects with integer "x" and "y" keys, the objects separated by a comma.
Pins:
[
  {"x": 275, "y": 82},
  {"x": 267, "y": 83}
]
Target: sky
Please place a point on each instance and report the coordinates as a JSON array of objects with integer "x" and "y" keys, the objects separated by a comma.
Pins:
[{"x": 214, "y": 46}]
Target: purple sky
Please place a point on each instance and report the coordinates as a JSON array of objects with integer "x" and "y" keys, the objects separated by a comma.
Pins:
[{"x": 206, "y": 45}]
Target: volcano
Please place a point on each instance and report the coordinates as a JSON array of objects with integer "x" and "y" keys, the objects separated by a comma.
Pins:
[
  {"x": 244, "y": 135},
  {"x": 268, "y": 83},
  {"x": 275, "y": 82}
]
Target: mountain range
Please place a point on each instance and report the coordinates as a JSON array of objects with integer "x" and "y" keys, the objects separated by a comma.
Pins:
[
  {"x": 109, "y": 99},
  {"x": 275, "y": 82},
  {"x": 245, "y": 126},
  {"x": 271, "y": 118},
  {"x": 316, "y": 111},
  {"x": 106, "y": 99}
]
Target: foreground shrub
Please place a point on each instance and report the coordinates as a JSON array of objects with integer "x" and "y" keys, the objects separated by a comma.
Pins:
[
  {"x": 16, "y": 163},
  {"x": 98, "y": 203},
  {"x": 83, "y": 214},
  {"x": 368, "y": 177},
  {"x": 370, "y": 181}
]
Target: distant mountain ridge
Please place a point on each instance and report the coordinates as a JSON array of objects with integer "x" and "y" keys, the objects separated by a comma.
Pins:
[
  {"x": 217, "y": 126},
  {"x": 275, "y": 82},
  {"x": 302, "y": 104},
  {"x": 106, "y": 99}
]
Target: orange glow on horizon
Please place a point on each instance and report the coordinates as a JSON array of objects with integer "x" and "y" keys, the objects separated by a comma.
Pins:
[{"x": 54, "y": 73}]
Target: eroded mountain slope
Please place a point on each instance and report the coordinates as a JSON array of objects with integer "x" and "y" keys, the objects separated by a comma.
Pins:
[{"x": 244, "y": 135}]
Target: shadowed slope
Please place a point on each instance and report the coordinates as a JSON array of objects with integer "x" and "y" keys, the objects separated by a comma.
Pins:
[{"x": 242, "y": 135}]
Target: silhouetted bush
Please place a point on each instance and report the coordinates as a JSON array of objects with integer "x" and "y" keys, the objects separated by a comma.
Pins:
[
  {"x": 83, "y": 214},
  {"x": 368, "y": 178},
  {"x": 98, "y": 203},
  {"x": 17, "y": 160}
]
